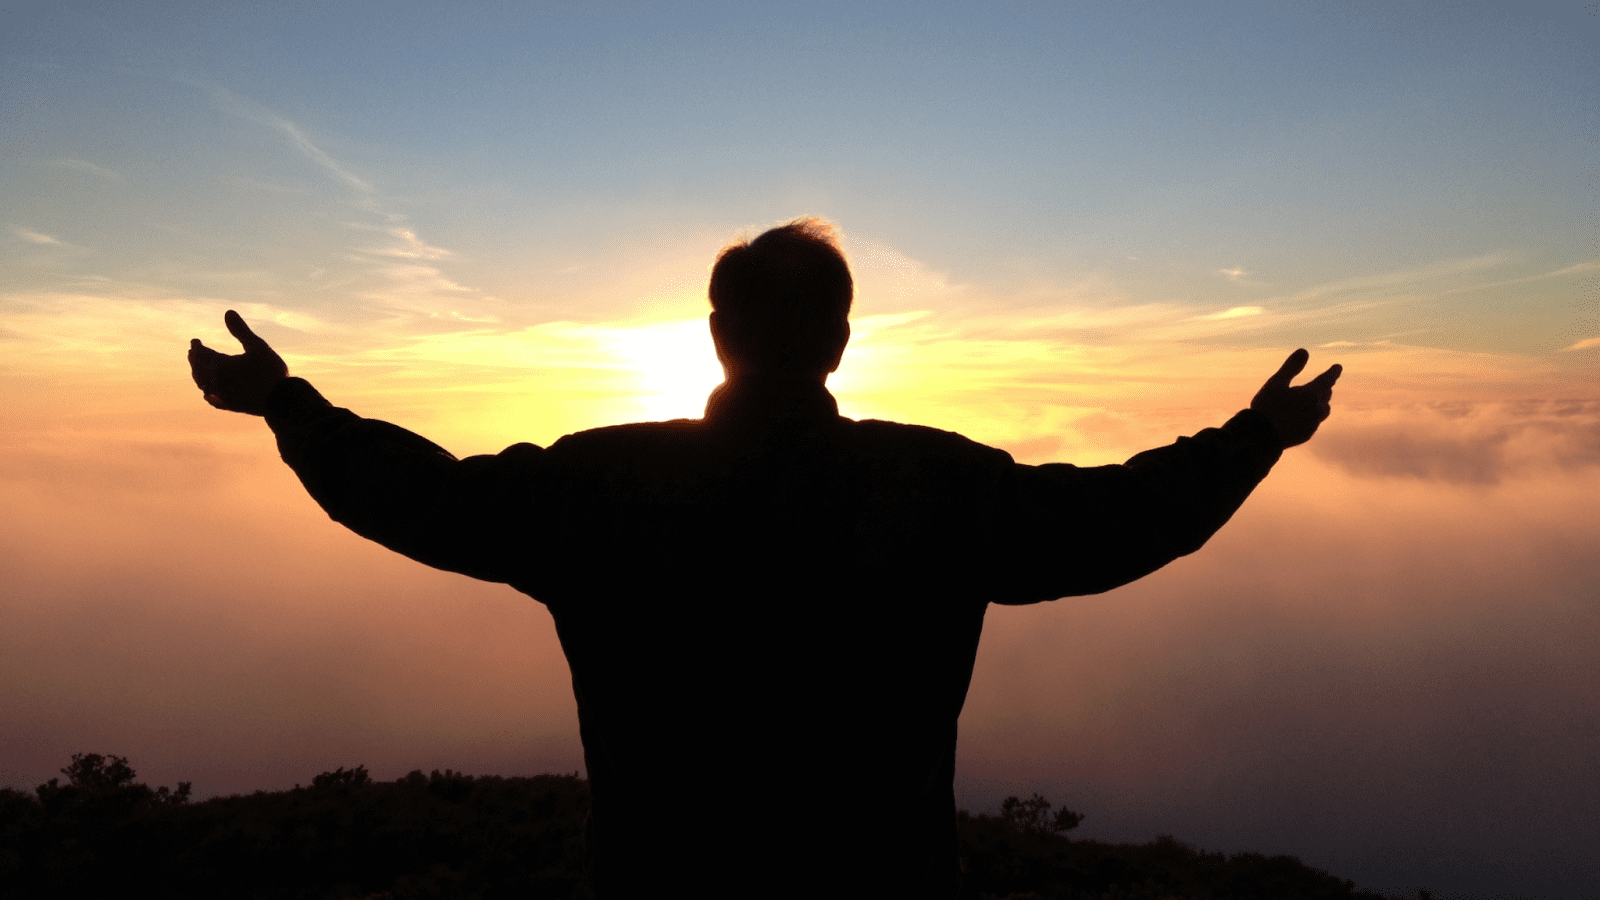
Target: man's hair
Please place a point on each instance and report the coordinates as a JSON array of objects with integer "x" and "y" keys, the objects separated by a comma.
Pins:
[{"x": 784, "y": 297}]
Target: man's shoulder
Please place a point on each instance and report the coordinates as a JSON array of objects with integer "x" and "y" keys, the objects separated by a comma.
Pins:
[
  {"x": 873, "y": 437},
  {"x": 901, "y": 437},
  {"x": 626, "y": 429},
  {"x": 879, "y": 429},
  {"x": 630, "y": 434}
]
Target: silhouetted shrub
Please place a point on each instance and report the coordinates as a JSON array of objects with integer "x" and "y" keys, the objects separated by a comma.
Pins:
[
  {"x": 1021, "y": 854},
  {"x": 453, "y": 835},
  {"x": 344, "y": 836}
]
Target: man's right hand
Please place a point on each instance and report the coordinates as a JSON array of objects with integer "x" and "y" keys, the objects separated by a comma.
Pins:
[
  {"x": 1296, "y": 411},
  {"x": 240, "y": 383}
]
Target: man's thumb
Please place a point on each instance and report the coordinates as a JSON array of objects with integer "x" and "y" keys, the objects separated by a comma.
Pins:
[{"x": 240, "y": 330}]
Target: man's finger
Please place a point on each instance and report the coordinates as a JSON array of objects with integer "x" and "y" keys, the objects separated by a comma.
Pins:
[
  {"x": 1326, "y": 379},
  {"x": 237, "y": 328},
  {"x": 202, "y": 361},
  {"x": 199, "y": 353},
  {"x": 1291, "y": 367}
]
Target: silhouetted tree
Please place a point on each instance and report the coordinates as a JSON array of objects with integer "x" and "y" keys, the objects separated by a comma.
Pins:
[
  {"x": 341, "y": 779},
  {"x": 96, "y": 779},
  {"x": 93, "y": 772},
  {"x": 1032, "y": 816}
]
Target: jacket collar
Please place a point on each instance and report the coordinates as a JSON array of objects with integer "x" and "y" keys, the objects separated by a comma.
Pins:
[{"x": 770, "y": 399}]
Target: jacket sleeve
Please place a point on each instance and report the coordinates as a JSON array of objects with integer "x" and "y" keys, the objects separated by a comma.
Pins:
[
  {"x": 404, "y": 491},
  {"x": 1084, "y": 530}
]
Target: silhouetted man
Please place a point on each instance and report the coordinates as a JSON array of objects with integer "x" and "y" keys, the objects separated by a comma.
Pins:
[{"x": 770, "y": 613}]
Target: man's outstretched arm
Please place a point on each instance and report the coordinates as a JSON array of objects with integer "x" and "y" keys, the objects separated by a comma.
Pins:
[
  {"x": 1084, "y": 530},
  {"x": 379, "y": 480}
]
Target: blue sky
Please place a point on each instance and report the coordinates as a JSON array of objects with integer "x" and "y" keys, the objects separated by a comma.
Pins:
[
  {"x": 1077, "y": 231},
  {"x": 1015, "y": 148}
]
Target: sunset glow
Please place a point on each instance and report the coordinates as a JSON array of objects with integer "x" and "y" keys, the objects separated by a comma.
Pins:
[{"x": 1076, "y": 233}]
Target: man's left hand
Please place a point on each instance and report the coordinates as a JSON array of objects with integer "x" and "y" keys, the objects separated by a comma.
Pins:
[{"x": 1295, "y": 412}]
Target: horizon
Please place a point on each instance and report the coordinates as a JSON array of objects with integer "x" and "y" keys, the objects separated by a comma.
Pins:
[{"x": 1075, "y": 235}]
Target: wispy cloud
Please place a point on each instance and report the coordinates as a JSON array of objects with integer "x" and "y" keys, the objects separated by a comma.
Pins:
[
  {"x": 36, "y": 237},
  {"x": 410, "y": 246},
  {"x": 422, "y": 279},
  {"x": 1346, "y": 345},
  {"x": 267, "y": 186},
  {"x": 1235, "y": 274},
  {"x": 316, "y": 155},
  {"x": 1237, "y": 312},
  {"x": 414, "y": 292},
  {"x": 1592, "y": 265},
  {"x": 1386, "y": 281},
  {"x": 249, "y": 110},
  {"x": 1584, "y": 344},
  {"x": 80, "y": 165},
  {"x": 1578, "y": 269}
]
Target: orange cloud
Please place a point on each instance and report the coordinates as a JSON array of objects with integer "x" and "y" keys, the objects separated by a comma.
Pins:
[{"x": 1464, "y": 443}]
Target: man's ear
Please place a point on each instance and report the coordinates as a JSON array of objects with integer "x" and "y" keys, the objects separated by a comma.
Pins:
[
  {"x": 720, "y": 340},
  {"x": 843, "y": 339}
]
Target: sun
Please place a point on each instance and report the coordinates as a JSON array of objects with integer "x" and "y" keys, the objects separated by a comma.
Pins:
[{"x": 675, "y": 364}]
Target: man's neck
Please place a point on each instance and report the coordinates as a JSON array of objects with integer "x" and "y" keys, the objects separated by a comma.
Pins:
[{"x": 771, "y": 396}]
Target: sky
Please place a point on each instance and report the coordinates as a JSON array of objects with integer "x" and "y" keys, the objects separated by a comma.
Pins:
[{"x": 1077, "y": 230}]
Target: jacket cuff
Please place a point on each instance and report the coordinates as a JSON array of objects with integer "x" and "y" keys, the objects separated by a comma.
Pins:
[
  {"x": 1258, "y": 428},
  {"x": 293, "y": 402}
]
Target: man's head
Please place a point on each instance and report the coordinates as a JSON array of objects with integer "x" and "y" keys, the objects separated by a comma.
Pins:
[{"x": 780, "y": 304}]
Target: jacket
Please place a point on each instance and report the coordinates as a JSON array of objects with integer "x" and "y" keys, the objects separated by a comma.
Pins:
[{"x": 771, "y": 614}]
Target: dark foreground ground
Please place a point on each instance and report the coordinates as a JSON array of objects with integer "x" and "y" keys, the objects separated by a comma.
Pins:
[{"x": 449, "y": 835}]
